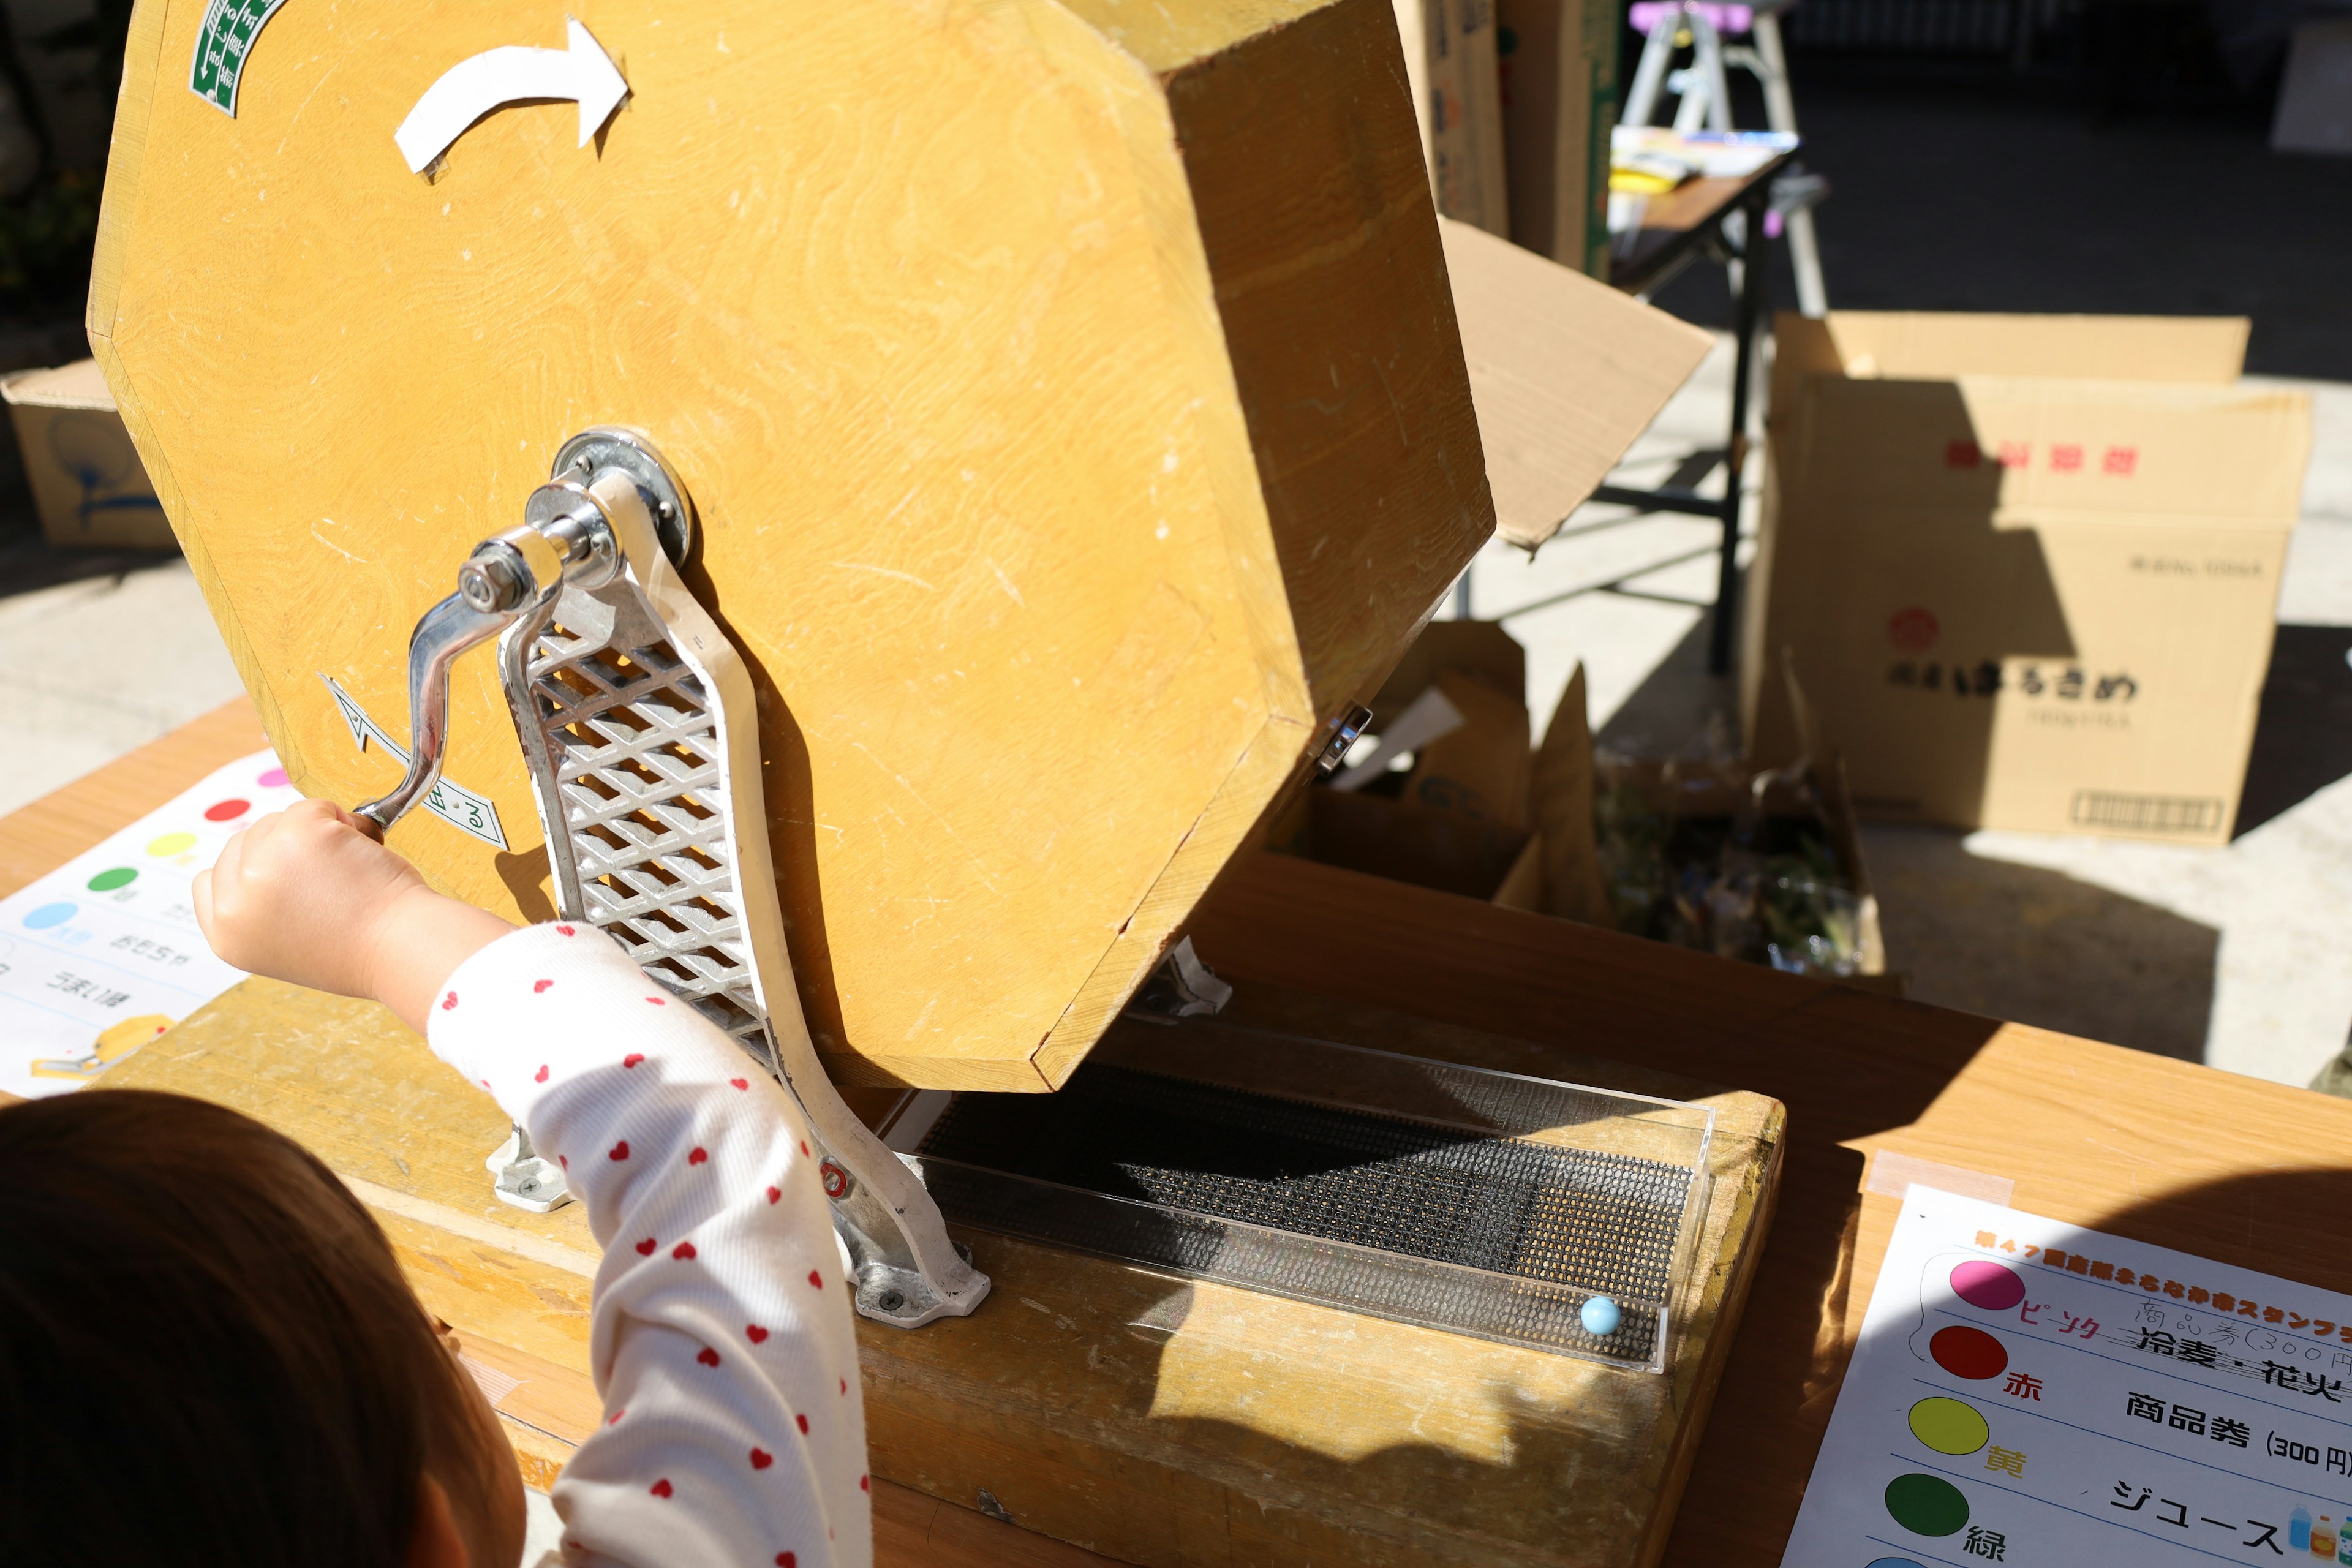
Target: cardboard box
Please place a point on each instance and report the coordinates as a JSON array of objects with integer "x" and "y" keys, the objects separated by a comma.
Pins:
[
  {"x": 1558, "y": 62},
  {"x": 1457, "y": 96},
  {"x": 2026, "y": 566},
  {"x": 86, "y": 479},
  {"x": 1565, "y": 374}
]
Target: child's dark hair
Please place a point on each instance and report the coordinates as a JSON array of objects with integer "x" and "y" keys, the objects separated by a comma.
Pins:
[{"x": 207, "y": 1352}]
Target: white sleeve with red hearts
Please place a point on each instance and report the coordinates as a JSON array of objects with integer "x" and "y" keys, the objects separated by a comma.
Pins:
[{"x": 721, "y": 1340}]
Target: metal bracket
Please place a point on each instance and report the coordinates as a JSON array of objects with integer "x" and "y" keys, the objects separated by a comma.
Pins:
[
  {"x": 1182, "y": 987},
  {"x": 636, "y": 717},
  {"x": 526, "y": 1178}
]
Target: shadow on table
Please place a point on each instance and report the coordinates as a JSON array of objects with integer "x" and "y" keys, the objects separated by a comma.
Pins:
[
  {"x": 2303, "y": 740},
  {"x": 2039, "y": 947}
]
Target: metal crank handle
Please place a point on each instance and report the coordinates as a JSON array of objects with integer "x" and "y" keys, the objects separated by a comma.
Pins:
[
  {"x": 564, "y": 539},
  {"x": 447, "y": 630}
]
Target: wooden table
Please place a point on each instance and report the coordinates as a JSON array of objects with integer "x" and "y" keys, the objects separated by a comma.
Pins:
[
  {"x": 2245, "y": 1172},
  {"x": 1677, "y": 226}
]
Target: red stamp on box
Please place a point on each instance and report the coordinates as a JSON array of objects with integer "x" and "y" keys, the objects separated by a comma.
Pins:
[
  {"x": 2016, "y": 454},
  {"x": 2122, "y": 460},
  {"x": 2066, "y": 458},
  {"x": 1913, "y": 630}
]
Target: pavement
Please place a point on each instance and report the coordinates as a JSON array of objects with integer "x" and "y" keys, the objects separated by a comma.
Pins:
[{"x": 2237, "y": 957}]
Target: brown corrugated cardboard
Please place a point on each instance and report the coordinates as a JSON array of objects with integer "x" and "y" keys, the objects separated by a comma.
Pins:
[
  {"x": 85, "y": 480},
  {"x": 1450, "y": 65},
  {"x": 1483, "y": 770},
  {"x": 2035, "y": 591},
  {"x": 1558, "y": 72},
  {"x": 1565, "y": 374}
]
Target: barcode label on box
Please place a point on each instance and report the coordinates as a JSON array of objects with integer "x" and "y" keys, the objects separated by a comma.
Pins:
[{"x": 2146, "y": 813}]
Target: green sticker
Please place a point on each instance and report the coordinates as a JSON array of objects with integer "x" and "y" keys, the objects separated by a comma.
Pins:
[{"x": 223, "y": 43}]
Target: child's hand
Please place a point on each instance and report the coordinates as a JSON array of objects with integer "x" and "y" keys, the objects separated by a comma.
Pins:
[{"x": 303, "y": 896}]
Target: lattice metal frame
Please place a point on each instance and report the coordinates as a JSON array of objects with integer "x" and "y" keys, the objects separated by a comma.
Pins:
[{"x": 648, "y": 854}]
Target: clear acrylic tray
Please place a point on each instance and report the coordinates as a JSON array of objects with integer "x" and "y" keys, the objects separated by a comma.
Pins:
[{"x": 1456, "y": 1199}]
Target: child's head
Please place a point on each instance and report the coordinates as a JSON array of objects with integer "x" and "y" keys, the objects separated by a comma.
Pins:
[{"x": 208, "y": 1356}]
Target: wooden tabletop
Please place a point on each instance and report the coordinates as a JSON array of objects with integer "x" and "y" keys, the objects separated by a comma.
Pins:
[
  {"x": 2231, "y": 1168},
  {"x": 1676, "y": 222}
]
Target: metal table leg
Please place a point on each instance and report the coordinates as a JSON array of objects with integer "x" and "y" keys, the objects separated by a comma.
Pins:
[{"x": 1753, "y": 259}]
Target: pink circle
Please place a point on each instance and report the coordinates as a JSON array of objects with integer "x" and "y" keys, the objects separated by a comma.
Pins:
[
  {"x": 1992, "y": 1286},
  {"x": 227, "y": 810},
  {"x": 274, "y": 779}
]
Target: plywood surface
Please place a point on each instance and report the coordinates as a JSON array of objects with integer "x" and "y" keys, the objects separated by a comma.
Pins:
[
  {"x": 1157, "y": 1421},
  {"x": 1043, "y": 379}
]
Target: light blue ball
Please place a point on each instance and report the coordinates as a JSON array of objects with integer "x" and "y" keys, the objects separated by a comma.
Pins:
[{"x": 1600, "y": 1317}]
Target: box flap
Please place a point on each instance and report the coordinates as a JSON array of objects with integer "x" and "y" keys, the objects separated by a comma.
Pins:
[
  {"x": 76, "y": 385},
  {"x": 2210, "y": 350},
  {"x": 1565, "y": 374}
]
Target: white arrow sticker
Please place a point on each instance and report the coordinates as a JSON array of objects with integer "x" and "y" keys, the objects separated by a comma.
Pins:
[
  {"x": 471, "y": 88},
  {"x": 460, "y": 808}
]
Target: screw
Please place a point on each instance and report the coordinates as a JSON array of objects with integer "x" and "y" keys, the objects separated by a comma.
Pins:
[{"x": 891, "y": 1300}]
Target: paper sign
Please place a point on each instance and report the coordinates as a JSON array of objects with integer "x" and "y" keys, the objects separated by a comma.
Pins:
[
  {"x": 2029, "y": 1393},
  {"x": 460, "y": 808},
  {"x": 104, "y": 954}
]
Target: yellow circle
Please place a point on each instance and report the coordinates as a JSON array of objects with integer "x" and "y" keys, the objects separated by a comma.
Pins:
[
  {"x": 172, "y": 844},
  {"x": 1949, "y": 1427}
]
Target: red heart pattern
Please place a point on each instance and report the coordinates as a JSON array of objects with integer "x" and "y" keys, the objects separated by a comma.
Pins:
[
  {"x": 698, "y": 1156},
  {"x": 761, "y": 1458},
  {"x": 755, "y": 1334},
  {"x": 803, "y": 1421},
  {"x": 448, "y": 1002},
  {"x": 539, "y": 987},
  {"x": 773, "y": 1193},
  {"x": 657, "y": 1001},
  {"x": 816, "y": 1279},
  {"x": 709, "y": 1357},
  {"x": 662, "y": 1488},
  {"x": 633, "y": 1058},
  {"x": 787, "y": 1560},
  {"x": 683, "y": 1252},
  {"x": 540, "y": 1076},
  {"x": 564, "y": 931},
  {"x": 646, "y": 1247},
  {"x": 738, "y": 1082},
  {"x": 619, "y": 1151}
]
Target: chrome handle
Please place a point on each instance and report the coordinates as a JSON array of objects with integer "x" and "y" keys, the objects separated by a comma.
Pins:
[{"x": 447, "y": 630}]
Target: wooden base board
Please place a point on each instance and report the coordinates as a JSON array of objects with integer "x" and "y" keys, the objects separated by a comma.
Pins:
[{"x": 1147, "y": 1418}]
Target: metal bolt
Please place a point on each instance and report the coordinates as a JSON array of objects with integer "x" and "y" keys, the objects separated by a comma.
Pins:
[
  {"x": 836, "y": 1180},
  {"x": 491, "y": 582},
  {"x": 891, "y": 1300}
]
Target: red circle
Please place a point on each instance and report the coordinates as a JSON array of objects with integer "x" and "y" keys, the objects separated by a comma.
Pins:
[
  {"x": 1968, "y": 1352},
  {"x": 1914, "y": 630},
  {"x": 227, "y": 810}
]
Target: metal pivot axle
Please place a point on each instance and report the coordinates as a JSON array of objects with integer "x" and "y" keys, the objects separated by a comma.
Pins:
[{"x": 635, "y": 718}]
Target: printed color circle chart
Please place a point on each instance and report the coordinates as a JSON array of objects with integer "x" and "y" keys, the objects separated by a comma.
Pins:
[
  {"x": 1927, "y": 1505},
  {"x": 1968, "y": 1352},
  {"x": 117, "y": 877},
  {"x": 1894, "y": 1562},
  {"x": 227, "y": 810},
  {"x": 1949, "y": 1426},
  {"x": 1992, "y": 1286},
  {"x": 170, "y": 844}
]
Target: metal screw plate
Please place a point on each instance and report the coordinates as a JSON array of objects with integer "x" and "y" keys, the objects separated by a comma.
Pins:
[{"x": 632, "y": 452}]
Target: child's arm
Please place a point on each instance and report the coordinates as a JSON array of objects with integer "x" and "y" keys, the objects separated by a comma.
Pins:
[{"x": 722, "y": 1339}]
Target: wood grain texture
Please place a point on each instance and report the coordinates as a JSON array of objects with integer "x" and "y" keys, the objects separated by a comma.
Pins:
[
  {"x": 1139, "y": 1415},
  {"x": 1043, "y": 382}
]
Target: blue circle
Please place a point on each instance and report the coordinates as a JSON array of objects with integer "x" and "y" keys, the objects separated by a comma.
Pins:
[
  {"x": 49, "y": 915},
  {"x": 1894, "y": 1562},
  {"x": 1600, "y": 1317}
]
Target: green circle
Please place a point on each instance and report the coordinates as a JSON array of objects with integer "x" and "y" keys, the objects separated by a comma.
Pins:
[
  {"x": 1949, "y": 1427},
  {"x": 1927, "y": 1505},
  {"x": 107, "y": 882}
]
